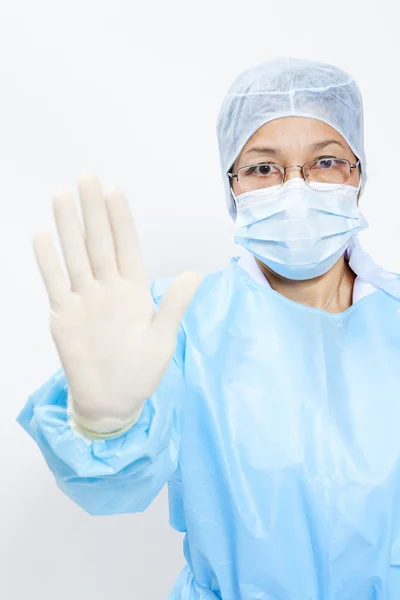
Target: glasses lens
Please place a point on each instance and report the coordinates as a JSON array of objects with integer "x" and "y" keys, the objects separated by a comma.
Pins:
[
  {"x": 327, "y": 170},
  {"x": 256, "y": 177}
]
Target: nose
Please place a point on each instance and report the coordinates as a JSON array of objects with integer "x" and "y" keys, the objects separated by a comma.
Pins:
[{"x": 292, "y": 174}]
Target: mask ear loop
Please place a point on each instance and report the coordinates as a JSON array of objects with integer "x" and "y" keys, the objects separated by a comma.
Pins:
[
  {"x": 364, "y": 225},
  {"x": 363, "y": 219},
  {"x": 233, "y": 196}
]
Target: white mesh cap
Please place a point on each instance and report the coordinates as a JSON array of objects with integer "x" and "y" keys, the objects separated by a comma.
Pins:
[{"x": 284, "y": 87}]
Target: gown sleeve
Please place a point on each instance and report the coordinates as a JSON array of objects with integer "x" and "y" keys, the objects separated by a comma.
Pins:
[{"x": 113, "y": 476}]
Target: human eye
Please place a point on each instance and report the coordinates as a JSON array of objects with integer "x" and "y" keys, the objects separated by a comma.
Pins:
[
  {"x": 262, "y": 170},
  {"x": 326, "y": 162}
]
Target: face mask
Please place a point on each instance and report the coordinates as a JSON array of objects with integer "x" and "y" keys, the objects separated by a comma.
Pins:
[{"x": 297, "y": 231}]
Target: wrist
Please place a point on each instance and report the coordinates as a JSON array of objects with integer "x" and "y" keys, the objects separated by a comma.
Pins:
[{"x": 101, "y": 429}]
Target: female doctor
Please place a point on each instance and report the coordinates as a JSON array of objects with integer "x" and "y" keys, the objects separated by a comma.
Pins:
[{"x": 267, "y": 395}]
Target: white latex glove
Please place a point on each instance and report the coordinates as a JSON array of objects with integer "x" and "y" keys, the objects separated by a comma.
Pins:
[{"x": 113, "y": 346}]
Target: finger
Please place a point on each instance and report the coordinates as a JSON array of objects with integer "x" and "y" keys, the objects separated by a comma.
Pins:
[
  {"x": 174, "y": 303},
  {"x": 99, "y": 239},
  {"x": 126, "y": 243},
  {"x": 50, "y": 268},
  {"x": 72, "y": 240}
]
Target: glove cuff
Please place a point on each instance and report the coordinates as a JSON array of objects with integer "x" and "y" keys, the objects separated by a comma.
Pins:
[{"x": 104, "y": 430}]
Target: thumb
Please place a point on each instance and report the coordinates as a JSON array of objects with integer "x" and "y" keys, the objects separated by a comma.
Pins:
[{"x": 175, "y": 301}]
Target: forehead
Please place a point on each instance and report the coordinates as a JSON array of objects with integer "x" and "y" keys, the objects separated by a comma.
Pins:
[{"x": 294, "y": 129}]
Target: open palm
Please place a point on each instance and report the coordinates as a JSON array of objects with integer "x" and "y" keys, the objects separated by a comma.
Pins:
[{"x": 113, "y": 346}]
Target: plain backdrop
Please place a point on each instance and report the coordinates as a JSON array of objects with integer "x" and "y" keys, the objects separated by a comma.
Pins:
[{"x": 131, "y": 91}]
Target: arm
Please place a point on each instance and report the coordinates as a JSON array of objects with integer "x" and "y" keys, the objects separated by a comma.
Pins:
[
  {"x": 114, "y": 476},
  {"x": 121, "y": 348}
]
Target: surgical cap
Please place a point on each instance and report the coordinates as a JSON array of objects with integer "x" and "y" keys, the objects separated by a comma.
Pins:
[{"x": 284, "y": 87}]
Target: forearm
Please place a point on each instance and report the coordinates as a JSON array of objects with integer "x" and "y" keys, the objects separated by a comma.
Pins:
[{"x": 116, "y": 475}]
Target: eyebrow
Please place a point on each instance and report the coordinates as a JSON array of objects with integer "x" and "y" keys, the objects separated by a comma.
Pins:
[{"x": 312, "y": 147}]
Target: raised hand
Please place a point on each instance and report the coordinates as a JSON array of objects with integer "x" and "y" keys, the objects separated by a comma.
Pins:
[{"x": 113, "y": 346}]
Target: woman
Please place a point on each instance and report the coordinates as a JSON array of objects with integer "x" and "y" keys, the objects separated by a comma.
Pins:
[{"x": 268, "y": 394}]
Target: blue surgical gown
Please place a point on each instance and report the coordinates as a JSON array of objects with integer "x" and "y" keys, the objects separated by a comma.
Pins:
[{"x": 277, "y": 429}]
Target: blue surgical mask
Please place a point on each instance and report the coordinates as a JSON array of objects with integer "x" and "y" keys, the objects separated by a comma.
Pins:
[{"x": 297, "y": 231}]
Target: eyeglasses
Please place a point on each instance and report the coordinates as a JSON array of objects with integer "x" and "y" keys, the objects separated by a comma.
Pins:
[{"x": 336, "y": 171}]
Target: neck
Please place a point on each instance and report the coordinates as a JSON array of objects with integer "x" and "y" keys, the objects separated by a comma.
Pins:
[{"x": 316, "y": 292}]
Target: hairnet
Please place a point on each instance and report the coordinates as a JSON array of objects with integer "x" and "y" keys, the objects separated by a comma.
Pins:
[{"x": 284, "y": 87}]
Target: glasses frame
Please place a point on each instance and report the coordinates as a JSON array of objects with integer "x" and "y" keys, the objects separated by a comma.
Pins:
[{"x": 284, "y": 169}]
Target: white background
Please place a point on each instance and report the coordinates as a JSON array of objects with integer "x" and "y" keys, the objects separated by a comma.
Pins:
[{"x": 131, "y": 92}]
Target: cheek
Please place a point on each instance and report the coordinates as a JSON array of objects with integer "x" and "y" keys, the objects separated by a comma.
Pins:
[{"x": 355, "y": 176}]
